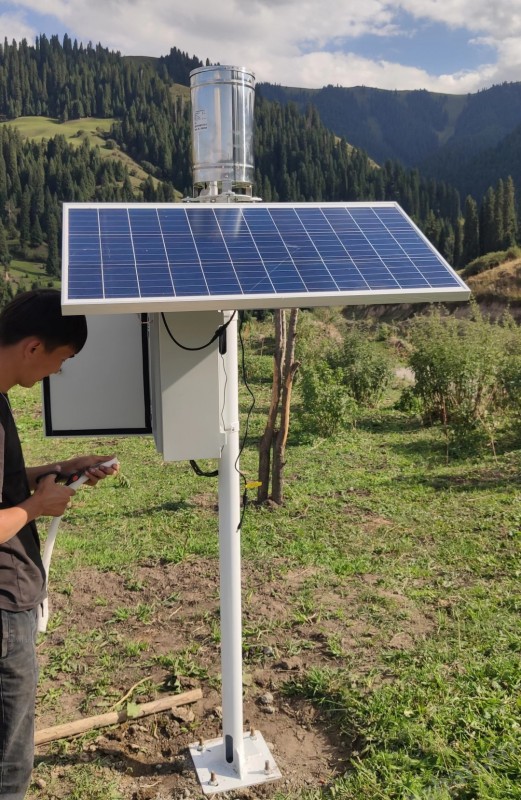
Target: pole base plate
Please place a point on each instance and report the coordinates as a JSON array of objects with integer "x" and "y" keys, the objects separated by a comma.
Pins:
[{"x": 216, "y": 775}]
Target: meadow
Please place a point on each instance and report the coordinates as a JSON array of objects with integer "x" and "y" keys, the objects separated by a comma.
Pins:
[
  {"x": 94, "y": 130},
  {"x": 381, "y": 613}
]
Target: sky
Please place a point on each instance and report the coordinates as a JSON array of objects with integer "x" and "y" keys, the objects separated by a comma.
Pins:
[{"x": 453, "y": 46}]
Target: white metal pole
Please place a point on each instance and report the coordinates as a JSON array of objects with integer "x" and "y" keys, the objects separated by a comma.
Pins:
[{"x": 230, "y": 561}]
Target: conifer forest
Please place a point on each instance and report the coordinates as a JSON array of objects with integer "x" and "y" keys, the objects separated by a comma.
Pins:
[{"x": 147, "y": 103}]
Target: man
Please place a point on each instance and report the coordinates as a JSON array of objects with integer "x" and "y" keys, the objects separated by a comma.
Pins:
[{"x": 35, "y": 340}]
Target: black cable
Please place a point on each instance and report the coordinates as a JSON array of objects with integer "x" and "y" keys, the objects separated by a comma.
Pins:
[
  {"x": 198, "y": 471},
  {"x": 247, "y": 423},
  {"x": 248, "y": 388},
  {"x": 217, "y": 335}
]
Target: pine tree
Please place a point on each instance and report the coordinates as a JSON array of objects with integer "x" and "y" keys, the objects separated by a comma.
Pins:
[
  {"x": 5, "y": 256},
  {"x": 499, "y": 208},
  {"x": 488, "y": 241},
  {"x": 24, "y": 221},
  {"x": 458, "y": 244},
  {"x": 52, "y": 265},
  {"x": 510, "y": 227},
  {"x": 36, "y": 233},
  {"x": 470, "y": 231}
]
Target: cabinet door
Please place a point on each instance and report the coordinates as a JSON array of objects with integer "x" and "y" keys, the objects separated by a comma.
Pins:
[{"x": 104, "y": 390}]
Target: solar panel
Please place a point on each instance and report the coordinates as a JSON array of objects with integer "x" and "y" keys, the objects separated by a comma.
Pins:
[{"x": 166, "y": 257}]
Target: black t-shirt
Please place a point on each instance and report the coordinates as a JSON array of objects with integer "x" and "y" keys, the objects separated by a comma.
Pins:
[{"x": 22, "y": 575}]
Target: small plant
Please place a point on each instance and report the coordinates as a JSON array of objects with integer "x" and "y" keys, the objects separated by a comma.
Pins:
[
  {"x": 181, "y": 664},
  {"x": 133, "y": 584},
  {"x": 144, "y": 612},
  {"x": 133, "y": 649},
  {"x": 120, "y": 614}
]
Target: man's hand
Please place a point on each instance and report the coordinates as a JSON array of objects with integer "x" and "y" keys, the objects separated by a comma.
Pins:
[
  {"x": 51, "y": 498},
  {"x": 91, "y": 466}
]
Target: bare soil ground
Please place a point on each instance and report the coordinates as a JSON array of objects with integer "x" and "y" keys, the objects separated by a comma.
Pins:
[{"x": 283, "y": 639}]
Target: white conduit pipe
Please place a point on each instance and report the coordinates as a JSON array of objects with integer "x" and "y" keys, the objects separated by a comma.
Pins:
[{"x": 43, "y": 609}]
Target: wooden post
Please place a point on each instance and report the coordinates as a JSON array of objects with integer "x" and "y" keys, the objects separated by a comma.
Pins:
[
  {"x": 115, "y": 717},
  {"x": 289, "y": 370},
  {"x": 266, "y": 441}
]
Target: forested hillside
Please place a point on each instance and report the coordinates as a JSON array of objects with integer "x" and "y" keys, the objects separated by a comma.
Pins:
[
  {"x": 448, "y": 137},
  {"x": 473, "y": 172},
  {"x": 297, "y": 157}
]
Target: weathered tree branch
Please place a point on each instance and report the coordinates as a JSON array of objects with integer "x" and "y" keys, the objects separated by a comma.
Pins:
[{"x": 115, "y": 717}]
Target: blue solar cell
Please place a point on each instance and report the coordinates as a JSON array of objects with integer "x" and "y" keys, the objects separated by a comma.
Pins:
[
  {"x": 254, "y": 255},
  {"x": 144, "y": 222},
  {"x": 87, "y": 223},
  {"x": 113, "y": 221}
]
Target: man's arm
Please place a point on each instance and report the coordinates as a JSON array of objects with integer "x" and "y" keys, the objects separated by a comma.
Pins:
[{"x": 49, "y": 499}]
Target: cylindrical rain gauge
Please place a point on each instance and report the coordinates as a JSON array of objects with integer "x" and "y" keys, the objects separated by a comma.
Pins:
[{"x": 222, "y": 128}]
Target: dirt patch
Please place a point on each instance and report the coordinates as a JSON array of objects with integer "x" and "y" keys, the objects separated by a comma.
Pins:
[{"x": 160, "y": 623}]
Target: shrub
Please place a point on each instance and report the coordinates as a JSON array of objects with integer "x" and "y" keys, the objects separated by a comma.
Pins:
[
  {"x": 510, "y": 376},
  {"x": 458, "y": 365},
  {"x": 409, "y": 402},
  {"x": 326, "y": 405},
  {"x": 318, "y": 336},
  {"x": 258, "y": 368},
  {"x": 366, "y": 367}
]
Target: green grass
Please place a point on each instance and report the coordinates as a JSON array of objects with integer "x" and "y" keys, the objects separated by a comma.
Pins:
[
  {"x": 23, "y": 274},
  {"x": 397, "y": 545},
  {"x": 75, "y": 131}
]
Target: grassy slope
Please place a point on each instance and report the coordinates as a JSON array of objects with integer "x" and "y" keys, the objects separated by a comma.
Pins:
[
  {"x": 415, "y": 561},
  {"x": 75, "y": 132},
  {"x": 39, "y": 128},
  {"x": 25, "y": 273},
  {"x": 501, "y": 284}
]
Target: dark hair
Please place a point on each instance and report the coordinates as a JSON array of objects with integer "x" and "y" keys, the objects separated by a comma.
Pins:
[{"x": 38, "y": 313}]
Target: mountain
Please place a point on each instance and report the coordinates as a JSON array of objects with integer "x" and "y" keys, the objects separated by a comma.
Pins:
[
  {"x": 473, "y": 170},
  {"x": 82, "y": 123},
  {"x": 443, "y": 135}
]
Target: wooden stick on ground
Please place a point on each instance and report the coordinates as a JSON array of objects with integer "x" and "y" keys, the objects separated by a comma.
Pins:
[{"x": 115, "y": 717}]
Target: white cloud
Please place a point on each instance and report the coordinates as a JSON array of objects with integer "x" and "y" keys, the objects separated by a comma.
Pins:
[
  {"x": 298, "y": 43},
  {"x": 14, "y": 26},
  {"x": 499, "y": 19}
]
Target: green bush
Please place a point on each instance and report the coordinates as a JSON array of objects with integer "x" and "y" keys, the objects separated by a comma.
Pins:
[
  {"x": 315, "y": 335},
  {"x": 460, "y": 368},
  {"x": 510, "y": 376},
  {"x": 510, "y": 380},
  {"x": 365, "y": 365},
  {"x": 259, "y": 368},
  {"x": 409, "y": 402},
  {"x": 326, "y": 405}
]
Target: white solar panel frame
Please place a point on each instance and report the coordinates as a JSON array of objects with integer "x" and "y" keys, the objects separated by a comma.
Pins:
[{"x": 127, "y": 305}]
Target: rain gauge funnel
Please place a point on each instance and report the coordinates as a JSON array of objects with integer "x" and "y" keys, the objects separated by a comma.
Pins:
[{"x": 222, "y": 132}]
